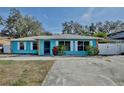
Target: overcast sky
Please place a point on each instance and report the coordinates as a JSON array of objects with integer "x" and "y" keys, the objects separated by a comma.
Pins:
[{"x": 52, "y": 18}]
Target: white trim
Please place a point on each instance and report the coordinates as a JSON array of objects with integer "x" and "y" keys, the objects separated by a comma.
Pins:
[
  {"x": 57, "y": 43},
  {"x": 76, "y": 46},
  {"x": 24, "y": 45},
  {"x": 31, "y": 45},
  {"x": 91, "y": 43},
  {"x": 18, "y": 45},
  {"x": 71, "y": 45}
]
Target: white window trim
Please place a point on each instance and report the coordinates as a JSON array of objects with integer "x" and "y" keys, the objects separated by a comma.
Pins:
[
  {"x": 71, "y": 46},
  {"x": 91, "y": 43},
  {"x": 57, "y": 43},
  {"x": 76, "y": 46},
  {"x": 24, "y": 45},
  {"x": 31, "y": 45},
  {"x": 18, "y": 45}
]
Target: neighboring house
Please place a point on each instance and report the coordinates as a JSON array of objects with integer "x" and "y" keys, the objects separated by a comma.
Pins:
[
  {"x": 117, "y": 35},
  {"x": 4, "y": 41},
  {"x": 43, "y": 45}
]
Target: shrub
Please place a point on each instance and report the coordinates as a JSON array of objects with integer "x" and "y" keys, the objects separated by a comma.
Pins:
[
  {"x": 100, "y": 34},
  {"x": 59, "y": 50},
  {"x": 92, "y": 50},
  {"x": 55, "y": 50}
]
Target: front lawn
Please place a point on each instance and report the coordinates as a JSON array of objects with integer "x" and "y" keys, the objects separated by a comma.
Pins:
[{"x": 23, "y": 73}]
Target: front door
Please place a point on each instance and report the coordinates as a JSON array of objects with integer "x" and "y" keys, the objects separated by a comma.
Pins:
[{"x": 46, "y": 47}]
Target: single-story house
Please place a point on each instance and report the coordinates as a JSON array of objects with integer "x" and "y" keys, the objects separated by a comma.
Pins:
[
  {"x": 43, "y": 45},
  {"x": 117, "y": 35}
]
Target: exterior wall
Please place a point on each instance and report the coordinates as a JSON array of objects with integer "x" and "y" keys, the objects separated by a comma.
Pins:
[
  {"x": 52, "y": 44},
  {"x": 94, "y": 43},
  {"x": 41, "y": 47},
  {"x": 14, "y": 48},
  {"x": 73, "y": 51}
]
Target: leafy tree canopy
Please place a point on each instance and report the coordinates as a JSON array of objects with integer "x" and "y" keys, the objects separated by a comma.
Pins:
[
  {"x": 18, "y": 25},
  {"x": 98, "y": 29},
  {"x": 72, "y": 28}
]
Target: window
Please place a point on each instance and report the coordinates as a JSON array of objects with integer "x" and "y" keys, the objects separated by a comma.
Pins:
[
  {"x": 21, "y": 45},
  {"x": 34, "y": 45},
  {"x": 86, "y": 43},
  {"x": 66, "y": 44},
  {"x": 80, "y": 45},
  {"x": 61, "y": 43}
]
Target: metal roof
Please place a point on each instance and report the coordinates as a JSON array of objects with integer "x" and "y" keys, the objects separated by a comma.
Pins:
[{"x": 60, "y": 36}]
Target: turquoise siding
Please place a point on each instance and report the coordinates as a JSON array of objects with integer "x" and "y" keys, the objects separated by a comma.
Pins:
[
  {"x": 41, "y": 47},
  {"x": 14, "y": 48},
  {"x": 94, "y": 43},
  {"x": 80, "y": 53},
  {"x": 52, "y": 44},
  {"x": 41, "y": 50}
]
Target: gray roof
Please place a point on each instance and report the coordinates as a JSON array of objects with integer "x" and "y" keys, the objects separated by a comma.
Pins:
[
  {"x": 60, "y": 36},
  {"x": 117, "y": 35}
]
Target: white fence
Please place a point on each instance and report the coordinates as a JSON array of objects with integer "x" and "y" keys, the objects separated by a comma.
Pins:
[
  {"x": 6, "y": 49},
  {"x": 111, "y": 48}
]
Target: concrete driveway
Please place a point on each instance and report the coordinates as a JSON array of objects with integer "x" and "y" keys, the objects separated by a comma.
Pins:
[
  {"x": 89, "y": 71},
  {"x": 80, "y": 71}
]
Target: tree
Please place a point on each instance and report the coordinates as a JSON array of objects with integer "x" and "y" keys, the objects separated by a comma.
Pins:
[
  {"x": 92, "y": 28},
  {"x": 32, "y": 26},
  {"x": 1, "y": 20},
  {"x": 18, "y": 25},
  {"x": 72, "y": 28},
  {"x": 100, "y": 34}
]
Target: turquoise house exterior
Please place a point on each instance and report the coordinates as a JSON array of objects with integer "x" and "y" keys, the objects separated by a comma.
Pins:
[{"x": 43, "y": 45}]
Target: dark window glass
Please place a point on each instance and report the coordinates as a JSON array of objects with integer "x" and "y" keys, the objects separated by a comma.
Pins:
[
  {"x": 21, "y": 45},
  {"x": 86, "y": 43},
  {"x": 80, "y": 45},
  {"x": 61, "y": 43},
  {"x": 35, "y": 45},
  {"x": 67, "y": 45}
]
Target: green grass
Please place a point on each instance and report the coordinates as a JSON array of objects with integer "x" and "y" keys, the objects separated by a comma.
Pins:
[{"x": 23, "y": 73}]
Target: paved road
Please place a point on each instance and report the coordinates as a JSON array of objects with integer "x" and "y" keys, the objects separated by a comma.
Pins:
[{"x": 89, "y": 71}]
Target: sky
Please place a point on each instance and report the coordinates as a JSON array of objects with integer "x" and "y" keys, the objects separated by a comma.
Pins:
[{"x": 53, "y": 17}]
